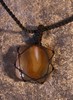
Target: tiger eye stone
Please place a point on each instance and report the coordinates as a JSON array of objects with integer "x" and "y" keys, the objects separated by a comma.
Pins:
[{"x": 34, "y": 62}]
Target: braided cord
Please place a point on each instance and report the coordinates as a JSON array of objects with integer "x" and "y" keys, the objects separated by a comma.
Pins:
[
  {"x": 40, "y": 29},
  {"x": 13, "y": 16}
]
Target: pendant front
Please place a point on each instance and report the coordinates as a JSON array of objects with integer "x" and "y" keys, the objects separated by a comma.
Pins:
[{"x": 33, "y": 62}]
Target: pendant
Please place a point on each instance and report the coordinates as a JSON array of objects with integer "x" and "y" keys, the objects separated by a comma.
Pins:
[{"x": 33, "y": 63}]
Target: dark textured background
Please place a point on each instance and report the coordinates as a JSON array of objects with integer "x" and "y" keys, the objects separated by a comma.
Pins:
[{"x": 59, "y": 85}]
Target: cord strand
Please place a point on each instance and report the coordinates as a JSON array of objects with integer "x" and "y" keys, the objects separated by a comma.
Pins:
[
  {"x": 12, "y": 15},
  {"x": 39, "y": 29}
]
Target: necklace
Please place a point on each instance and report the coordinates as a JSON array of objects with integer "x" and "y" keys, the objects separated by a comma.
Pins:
[{"x": 34, "y": 61}]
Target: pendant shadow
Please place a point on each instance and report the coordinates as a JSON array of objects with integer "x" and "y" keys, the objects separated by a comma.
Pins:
[{"x": 9, "y": 58}]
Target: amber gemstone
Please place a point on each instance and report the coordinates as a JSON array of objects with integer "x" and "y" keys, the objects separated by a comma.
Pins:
[{"x": 33, "y": 62}]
